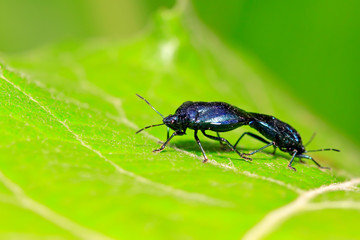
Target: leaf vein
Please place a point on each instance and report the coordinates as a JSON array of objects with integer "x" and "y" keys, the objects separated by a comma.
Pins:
[
  {"x": 276, "y": 217},
  {"x": 170, "y": 190},
  {"x": 26, "y": 202}
]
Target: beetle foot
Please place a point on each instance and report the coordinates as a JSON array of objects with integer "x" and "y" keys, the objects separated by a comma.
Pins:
[
  {"x": 301, "y": 161},
  {"x": 247, "y": 158},
  {"x": 205, "y": 160},
  {"x": 325, "y": 168},
  {"x": 292, "y": 168},
  {"x": 224, "y": 147},
  {"x": 157, "y": 150}
]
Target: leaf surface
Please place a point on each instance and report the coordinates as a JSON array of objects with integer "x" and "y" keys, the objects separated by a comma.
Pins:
[{"x": 72, "y": 166}]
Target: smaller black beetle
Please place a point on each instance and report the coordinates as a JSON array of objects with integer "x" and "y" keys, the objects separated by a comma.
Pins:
[
  {"x": 203, "y": 116},
  {"x": 282, "y": 136}
]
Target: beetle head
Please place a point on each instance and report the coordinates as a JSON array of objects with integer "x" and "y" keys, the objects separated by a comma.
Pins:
[
  {"x": 300, "y": 149},
  {"x": 173, "y": 122}
]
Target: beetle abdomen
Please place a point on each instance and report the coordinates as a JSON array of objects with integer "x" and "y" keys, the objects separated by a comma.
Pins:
[{"x": 277, "y": 131}]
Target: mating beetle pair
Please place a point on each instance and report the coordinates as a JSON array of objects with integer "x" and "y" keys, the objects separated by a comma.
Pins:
[{"x": 223, "y": 117}]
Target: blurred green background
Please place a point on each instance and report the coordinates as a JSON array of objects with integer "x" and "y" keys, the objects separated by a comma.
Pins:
[{"x": 310, "y": 47}]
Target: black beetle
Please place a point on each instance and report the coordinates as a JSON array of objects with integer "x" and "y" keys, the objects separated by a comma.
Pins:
[
  {"x": 223, "y": 117},
  {"x": 214, "y": 116},
  {"x": 281, "y": 135}
]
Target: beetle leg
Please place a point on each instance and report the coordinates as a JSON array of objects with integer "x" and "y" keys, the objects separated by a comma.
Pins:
[
  {"x": 221, "y": 142},
  {"x": 291, "y": 161},
  {"x": 273, "y": 153},
  {"x": 301, "y": 161},
  {"x": 199, "y": 143},
  {"x": 227, "y": 142},
  {"x": 167, "y": 141},
  {"x": 308, "y": 157},
  {"x": 251, "y": 135},
  {"x": 268, "y": 145}
]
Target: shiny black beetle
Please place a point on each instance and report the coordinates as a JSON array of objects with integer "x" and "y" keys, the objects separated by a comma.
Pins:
[
  {"x": 281, "y": 135},
  {"x": 214, "y": 116},
  {"x": 223, "y": 117}
]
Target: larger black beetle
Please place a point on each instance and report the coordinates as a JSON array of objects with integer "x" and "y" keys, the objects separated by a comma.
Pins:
[
  {"x": 223, "y": 117},
  {"x": 214, "y": 116}
]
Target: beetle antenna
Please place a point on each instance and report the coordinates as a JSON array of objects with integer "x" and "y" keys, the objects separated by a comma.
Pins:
[
  {"x": 149, "y": 127},
  {"x": 310, "y": 140},
  {"x": 324, "y": 149},
  {"x": 149, "y": 105}
]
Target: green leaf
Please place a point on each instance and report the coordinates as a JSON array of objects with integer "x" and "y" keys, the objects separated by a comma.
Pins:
[{"x": 72, "y": 166}]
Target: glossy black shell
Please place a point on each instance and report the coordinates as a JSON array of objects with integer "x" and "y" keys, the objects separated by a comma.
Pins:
[
  {"x": 214, "y": 116},
  {"x": 282, "y": 134}
]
